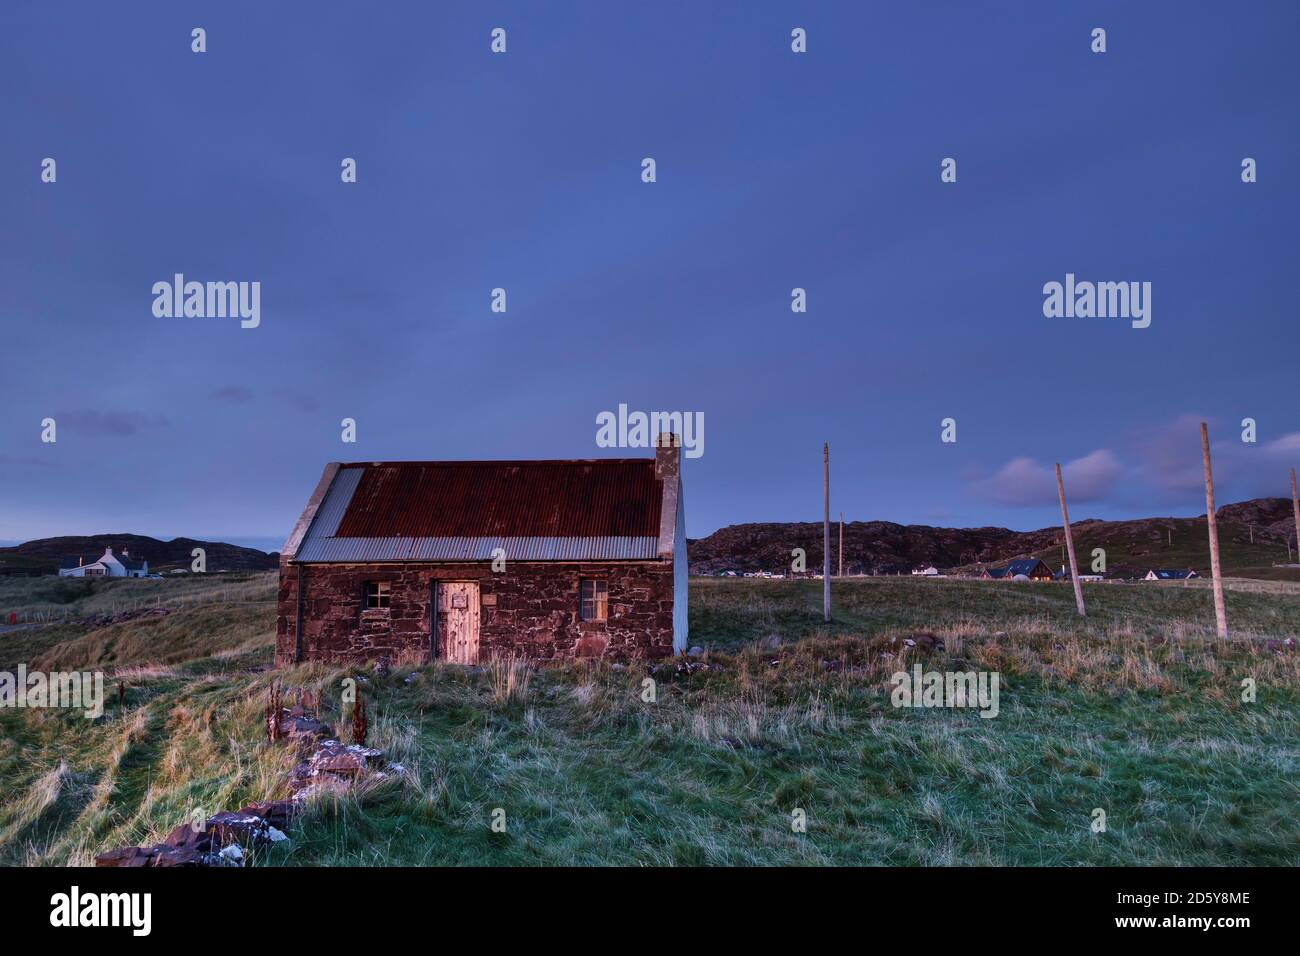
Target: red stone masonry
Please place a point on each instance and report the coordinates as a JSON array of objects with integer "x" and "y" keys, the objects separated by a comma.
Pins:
[{"x": 530, "y": 610}]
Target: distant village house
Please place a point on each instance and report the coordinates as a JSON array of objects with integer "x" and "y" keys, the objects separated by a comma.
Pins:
[
  {"x": 1025, "y": 569},
  {"x": 108, "y": 565},
  {"x": 1170, "y": 574},
  {"x": 1064, "y": 575}
]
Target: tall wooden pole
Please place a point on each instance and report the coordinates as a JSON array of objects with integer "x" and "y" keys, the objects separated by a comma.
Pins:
[
  {"x": 841, "y": 544},
  {"x": 1295, "y": 508},
  {"x": 826, "y": 531},
  {"x": 1069, "y": 545},
  {"x": 1220, "y": 613}
]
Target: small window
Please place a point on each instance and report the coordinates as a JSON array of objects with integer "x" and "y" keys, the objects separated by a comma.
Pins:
[
  {"x": 595, "y": 599},
  {"x": 377, "y": 593}
]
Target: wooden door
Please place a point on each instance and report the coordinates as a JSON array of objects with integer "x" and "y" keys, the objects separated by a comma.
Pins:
[{"x": 458, "y": 621}]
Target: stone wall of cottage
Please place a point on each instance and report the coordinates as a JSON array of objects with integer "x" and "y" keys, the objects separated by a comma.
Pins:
[{"x": 530, "y": 610}]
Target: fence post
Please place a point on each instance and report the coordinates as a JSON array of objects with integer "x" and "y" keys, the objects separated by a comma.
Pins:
[
  {"x": 1220, "y": 613},
  {"x": 1069, "y": 544}
]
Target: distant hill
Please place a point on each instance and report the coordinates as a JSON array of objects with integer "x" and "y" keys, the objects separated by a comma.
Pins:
[
  {"x": 1132, "y": 547},
  {"x": 44, "y": 553}
]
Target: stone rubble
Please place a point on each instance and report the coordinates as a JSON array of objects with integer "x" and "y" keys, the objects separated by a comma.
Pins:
[
  {"x": 334, "y": 766},
  {"x": 219, "y": 842},
  {"x": 225, "y": 837}
]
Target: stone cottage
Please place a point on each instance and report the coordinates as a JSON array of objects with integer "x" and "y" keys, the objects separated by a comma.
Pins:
[{"x": 463, "y": 561}]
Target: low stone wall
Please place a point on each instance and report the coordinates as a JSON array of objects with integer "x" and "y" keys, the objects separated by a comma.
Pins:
[
  {"x": 220, "y": 841},
  {"x": 224, "y": 839}
]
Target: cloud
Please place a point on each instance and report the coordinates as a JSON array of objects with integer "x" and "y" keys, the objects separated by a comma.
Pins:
[
  {"x": 1261, "y": 470},
  {"x": 233, "y": 393},
  {"x": 90, "y": 421},
  {"x": 1025, "y": 482},
  {"x": 1169, "y": 460},
  {"x": 1169, "y": 456},
  {"x": 1284, "y": 449}
]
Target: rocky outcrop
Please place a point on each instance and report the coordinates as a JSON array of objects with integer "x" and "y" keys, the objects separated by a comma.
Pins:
[
  {"x": 1273, "y": 515},
  {"x": 870, "y": 547},
  {"x": 883, "y": 547}
]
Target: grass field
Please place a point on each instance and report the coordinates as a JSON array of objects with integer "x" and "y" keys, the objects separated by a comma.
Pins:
[{"x": 1136, "y": 711}]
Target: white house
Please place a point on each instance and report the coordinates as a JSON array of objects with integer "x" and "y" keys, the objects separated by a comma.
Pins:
[
  {"x": 929, "y": 572},
  {"x": 108, "y": 566}
]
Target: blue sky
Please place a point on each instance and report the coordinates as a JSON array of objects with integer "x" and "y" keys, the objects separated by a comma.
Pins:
[{"x": 775, "y": 170}]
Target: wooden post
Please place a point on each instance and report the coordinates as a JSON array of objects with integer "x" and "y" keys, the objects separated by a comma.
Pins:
[
  {"x": 1069, "y": 545},
  {"x": 1295, "y": 508},
  {"x": 826, "y": 531},
  {"x": 1220, "y": 613},
  {"x": 841, "y": 574}
]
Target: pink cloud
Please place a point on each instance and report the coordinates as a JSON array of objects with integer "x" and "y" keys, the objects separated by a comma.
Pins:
[
  {"x": 1169, "y": 459},
  {"x": 1026, "y": 482},
  {"x": 1169, "y": 456}
]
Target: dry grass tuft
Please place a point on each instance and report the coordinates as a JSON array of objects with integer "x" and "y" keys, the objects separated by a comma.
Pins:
[{"x": 510, "y": 677}]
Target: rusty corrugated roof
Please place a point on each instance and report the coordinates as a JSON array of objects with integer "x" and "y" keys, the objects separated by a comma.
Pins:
[
  {"x": 461, "y": 511},
  {"x": 363, "y": 550}
]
